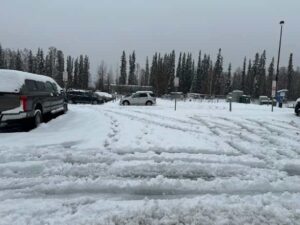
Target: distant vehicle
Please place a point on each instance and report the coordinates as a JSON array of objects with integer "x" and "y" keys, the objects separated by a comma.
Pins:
[
  {"x": 84, "y": 97},
  {"x": 297, "y": 107},
  {"x": 139, "y": 98},
  {"x": 177, "y": 95},
  {"x": 26, "y": 98},
  {"x": 234, "y": 96},
  {"x": 105, "y": 96},
  {"x": 264, "y": 100},
  {"x": 195, "y": 95}
]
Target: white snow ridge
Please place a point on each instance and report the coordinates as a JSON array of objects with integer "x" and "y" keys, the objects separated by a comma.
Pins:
[{"x": 110, "y": 164}]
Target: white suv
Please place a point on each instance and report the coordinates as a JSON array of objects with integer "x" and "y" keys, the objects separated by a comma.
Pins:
[{"x": 139, "y": 98}]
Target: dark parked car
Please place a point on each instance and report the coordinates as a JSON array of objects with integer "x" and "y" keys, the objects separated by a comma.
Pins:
[
  {"x": 26, "y": 97},
  {"x": 83, "y": 96}
]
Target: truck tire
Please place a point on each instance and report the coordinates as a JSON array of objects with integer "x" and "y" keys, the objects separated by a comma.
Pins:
[{"x": 37, "y": 119}]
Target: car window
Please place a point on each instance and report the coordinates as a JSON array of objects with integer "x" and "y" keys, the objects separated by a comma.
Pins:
[
  {"x": 41, "y": 86},
  {"x": 143, "y": 95},
  {"x": 31, "y": 85},
  {"x": 49, "y": 87},
  {"x": 55, "y": 87},
  {"x": 152, "y": 95}
]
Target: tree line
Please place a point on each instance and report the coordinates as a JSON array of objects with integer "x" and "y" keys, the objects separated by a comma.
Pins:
[
  {"x": 209, "y": 77},
  {"x": 201, "y": 75},
  {"x": 51, "y": 64}
]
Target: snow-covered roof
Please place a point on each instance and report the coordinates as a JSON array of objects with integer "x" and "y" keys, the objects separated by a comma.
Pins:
[
  {"x": 12, "y": 80},
  {"x": 103, "y": 94}
]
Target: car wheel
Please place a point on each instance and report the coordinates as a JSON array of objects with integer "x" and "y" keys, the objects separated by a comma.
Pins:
[
  {"x": 149, "y": 103},
  {"x": 126, "y": 103},
  {"x": 38, "y": 118},
  {"x": 65, "y": 108}
]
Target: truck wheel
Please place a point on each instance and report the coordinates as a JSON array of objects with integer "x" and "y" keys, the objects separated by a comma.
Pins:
[{"x": 38, "y": 118}]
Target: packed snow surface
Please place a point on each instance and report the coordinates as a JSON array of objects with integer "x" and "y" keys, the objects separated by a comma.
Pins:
[{"x": 110, "y": 164}]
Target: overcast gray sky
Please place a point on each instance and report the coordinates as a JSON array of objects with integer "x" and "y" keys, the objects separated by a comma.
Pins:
[{"x": 103, "y": 28}]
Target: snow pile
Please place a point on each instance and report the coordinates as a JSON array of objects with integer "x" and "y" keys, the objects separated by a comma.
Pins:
[{"x": 110, "y": 164}]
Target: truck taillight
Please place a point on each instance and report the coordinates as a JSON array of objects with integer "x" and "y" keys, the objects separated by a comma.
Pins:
[{"x": 24, "y": 102}]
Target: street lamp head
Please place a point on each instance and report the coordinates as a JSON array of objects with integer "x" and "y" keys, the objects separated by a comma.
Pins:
[{"x": 281, "y": 22}]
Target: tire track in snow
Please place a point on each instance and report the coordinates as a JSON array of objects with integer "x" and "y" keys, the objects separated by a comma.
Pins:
[{"x": 165, "y": 125}]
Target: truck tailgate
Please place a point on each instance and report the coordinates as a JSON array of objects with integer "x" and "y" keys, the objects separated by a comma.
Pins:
[{"x": 9, "y": 101}]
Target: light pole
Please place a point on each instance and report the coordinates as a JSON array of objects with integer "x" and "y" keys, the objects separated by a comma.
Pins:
[{"x": 278, "y": 60}]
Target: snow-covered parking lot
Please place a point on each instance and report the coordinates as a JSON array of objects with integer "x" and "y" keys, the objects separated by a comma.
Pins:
[{"x": 110, "y": 164}]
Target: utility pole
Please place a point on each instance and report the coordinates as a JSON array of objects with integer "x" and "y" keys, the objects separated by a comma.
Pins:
[{"x": 279, "y": 50}]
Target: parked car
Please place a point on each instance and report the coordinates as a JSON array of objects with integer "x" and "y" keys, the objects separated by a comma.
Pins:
[
  {"x": 265, "y": 100},
  {"x": 84, "y": 97},
  {"x": 139, "y": 98},
  {"x": 26, "y": 98},
  {"x": 297, "y": 107}
]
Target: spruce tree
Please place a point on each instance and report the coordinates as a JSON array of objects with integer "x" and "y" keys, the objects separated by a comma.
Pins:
[
  {"x": 1, "y": 58},
  {"x": 147, "y": 72},
  {"x": 243, "y": 81},
  {"x": 262, "y": 75},
  {"x": 153, "y": 72},
  {"x": 81, "y": 72},
  {"x": 123, "y": 70},
  {"x": 254, "y": 76},
  {"x": 171, "y": 71},
  {"x": 218, "y": 69},
  {"x": 86, "y": 72},
  {"x": 290, "y": 77},
  {"x": 182, "y": 78},
  {"x": 102, "y": 70},
  {"x": 60, "y": 68},
  {"x": 179, "y": 68},
  {"x": 18, "y": 61},
  {"x": 40, "y": 62},
  {"x": 270, "y": 77},
  {"x": 228, "y": 80},
  {"x": 205, "y": 75},
  {"x": 70, "y": 65},
  {"x": 76, "y": 74},
  {"x": 30, "y": 62},
  {"x": 132, "y": 80},
  {"x": 248, "y": 85}
]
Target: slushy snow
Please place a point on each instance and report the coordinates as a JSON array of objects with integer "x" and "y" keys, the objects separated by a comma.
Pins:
[{"x": 110, "y": 164}]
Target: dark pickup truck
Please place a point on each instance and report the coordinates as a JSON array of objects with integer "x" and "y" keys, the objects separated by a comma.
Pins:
[{"x": 27, "y": 98}]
